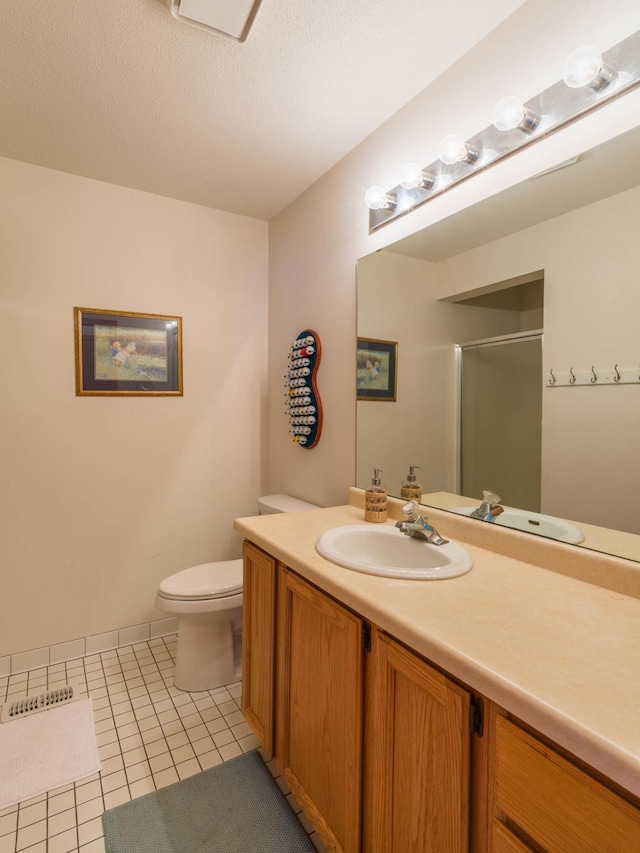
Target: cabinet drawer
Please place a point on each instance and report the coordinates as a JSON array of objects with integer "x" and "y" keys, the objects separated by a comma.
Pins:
[{"x": 556, "y": 804}]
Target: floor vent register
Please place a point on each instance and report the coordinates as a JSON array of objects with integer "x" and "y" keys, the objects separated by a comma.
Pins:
[{"x": 40, "y": 702}]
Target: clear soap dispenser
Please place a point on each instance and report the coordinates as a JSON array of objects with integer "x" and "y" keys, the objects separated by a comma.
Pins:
[
  {"x": 411, "y": 490},
  {"x": 375, "y": 499}
]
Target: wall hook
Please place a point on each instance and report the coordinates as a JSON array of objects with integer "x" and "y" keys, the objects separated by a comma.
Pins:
[
  {"x": 572, "y": 381},
  {"x": 594, "y": 378},
  {"x": 617, "y": 377},
  {"x": 553, "y": 379}
]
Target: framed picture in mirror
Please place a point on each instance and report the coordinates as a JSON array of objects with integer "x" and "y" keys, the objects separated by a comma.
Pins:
[{"x": 376, "y": 370}]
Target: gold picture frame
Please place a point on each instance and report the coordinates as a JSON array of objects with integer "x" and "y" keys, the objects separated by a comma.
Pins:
[
  {"x": 126, "y": 353},
  {"x": 376, "y": 370}
]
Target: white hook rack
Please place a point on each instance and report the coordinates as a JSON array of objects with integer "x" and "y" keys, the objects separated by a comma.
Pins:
[{"x": 593, "y": 376}]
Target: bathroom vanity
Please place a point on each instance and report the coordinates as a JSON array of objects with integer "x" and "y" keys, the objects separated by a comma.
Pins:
[{"x": 496, "y": 711}]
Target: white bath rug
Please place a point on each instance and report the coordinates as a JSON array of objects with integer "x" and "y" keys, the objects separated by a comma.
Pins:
[{"x": 46, "y": 750}]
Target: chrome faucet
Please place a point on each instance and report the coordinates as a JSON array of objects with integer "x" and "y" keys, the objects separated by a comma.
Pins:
[
  {"x": 418, "y": 526},
  {"x": 489, "y": 508}
]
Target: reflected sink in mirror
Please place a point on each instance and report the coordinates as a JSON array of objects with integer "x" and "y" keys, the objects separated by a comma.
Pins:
[
  {"x": 533, "y": 522},
  {"x": 386, "y": 551}
]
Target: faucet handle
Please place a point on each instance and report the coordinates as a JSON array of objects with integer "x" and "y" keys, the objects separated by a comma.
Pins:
[
  {"x": 411, "y": 511},
  {"x": 491, "y": 498}
]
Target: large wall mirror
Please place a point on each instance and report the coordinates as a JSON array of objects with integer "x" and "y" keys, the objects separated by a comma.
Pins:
[{"x": 484, "y": 305}]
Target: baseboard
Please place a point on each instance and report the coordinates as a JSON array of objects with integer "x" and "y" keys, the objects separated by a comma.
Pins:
[{"x": 94, "y": 644}]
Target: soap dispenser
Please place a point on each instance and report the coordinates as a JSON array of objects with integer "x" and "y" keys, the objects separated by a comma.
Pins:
[
  {"x": 375, "y": 499},
  {"x": 410, "y": 490}
]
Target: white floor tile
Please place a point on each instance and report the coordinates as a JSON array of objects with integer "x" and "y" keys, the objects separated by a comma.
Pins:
[
  {"x": 210, "y": 759},
  {"x": 31, "y": 835},
  {"x": 89, "y": 811},
  {"x": 149, "y": 735},
  {"x": 66, "y": 842},
  {"x": 32, "y": 814},
  {"x": 61, "y": 822},
  {"x": 8, "y": 823},
  {"x": 116, "y": 798},
  {"x": 96, "y": 846}
]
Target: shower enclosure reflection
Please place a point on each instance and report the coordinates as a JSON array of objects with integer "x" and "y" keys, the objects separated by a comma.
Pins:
[{"x": 501, "y": 419}]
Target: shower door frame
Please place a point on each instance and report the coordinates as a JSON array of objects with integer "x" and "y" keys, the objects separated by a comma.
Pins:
[{"x": 498, "y": 340}]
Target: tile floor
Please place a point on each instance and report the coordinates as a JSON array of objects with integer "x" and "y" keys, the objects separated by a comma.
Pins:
[{"x": 149, "y": 734}]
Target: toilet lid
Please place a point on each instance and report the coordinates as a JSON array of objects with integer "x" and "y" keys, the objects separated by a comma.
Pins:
[{"x": 209, "y": 580}]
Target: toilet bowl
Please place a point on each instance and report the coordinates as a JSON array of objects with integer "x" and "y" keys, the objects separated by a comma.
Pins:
[{"x": 207, "y": 601}]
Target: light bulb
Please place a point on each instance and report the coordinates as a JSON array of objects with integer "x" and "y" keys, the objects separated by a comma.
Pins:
[
  {"x": 453, "y": 149},
  {"x": 412, "y": 176},
  {"x": 511, "y": 113},
  {"x": 585, "y": 67},
  {"x": 376, "y": 198}
]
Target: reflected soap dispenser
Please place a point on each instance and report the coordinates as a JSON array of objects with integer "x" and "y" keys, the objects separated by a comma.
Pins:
[
  {"x": 410, "y": 490},
  {"x": 375, "y": 499}
]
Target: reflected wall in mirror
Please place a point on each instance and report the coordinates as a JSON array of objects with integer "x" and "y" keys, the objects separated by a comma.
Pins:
[{"x": 558, "y": 253}]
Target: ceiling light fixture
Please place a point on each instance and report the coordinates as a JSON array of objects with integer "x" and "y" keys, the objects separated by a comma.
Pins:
[
  {"x": 376, "y": 198},
  {"x": 413, "y": 177},
  {"x": 591, "y": 78},
  {"x": 510, "y": 113},
  {"x": 585, "y": 67},
  {"x": 453, "y": 149}
]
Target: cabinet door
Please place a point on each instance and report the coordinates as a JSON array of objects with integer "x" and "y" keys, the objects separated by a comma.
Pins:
[
  {"x": 417, "y": 755},
  {"x": 504, "y": 841},
  {"x": 320, "y": 691},
  {"x": 259, "y": 643}
]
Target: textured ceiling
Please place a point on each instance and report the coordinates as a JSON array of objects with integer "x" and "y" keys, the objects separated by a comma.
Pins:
[{"x": 119, "y": 91}]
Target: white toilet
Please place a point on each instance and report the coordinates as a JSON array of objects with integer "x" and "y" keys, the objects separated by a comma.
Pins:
[{"x": 207, "y": 600}]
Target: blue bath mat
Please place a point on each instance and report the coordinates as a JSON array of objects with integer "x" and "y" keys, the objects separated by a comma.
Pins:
[{"x": 235, "y": 807}]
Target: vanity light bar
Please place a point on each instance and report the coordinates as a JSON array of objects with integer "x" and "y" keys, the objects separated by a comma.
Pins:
[{"x": 590, "y": 80}]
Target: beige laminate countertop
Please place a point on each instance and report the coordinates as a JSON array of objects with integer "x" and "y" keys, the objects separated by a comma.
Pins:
[{"x": 561, "y": 654}]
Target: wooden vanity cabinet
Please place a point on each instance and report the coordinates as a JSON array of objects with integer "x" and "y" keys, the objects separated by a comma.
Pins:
[
  {"x": 404, "y": 785},
  {"x": 302, "y": 693},
  {"x": 260, "y": 576},
  {"x": 376, "y": 743},
  {"x": 543, "y": 801},
  {"x": 319, "y": 709},
  {"x": 417, "y": 754}
]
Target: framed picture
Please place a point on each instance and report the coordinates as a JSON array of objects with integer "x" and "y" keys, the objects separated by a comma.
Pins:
[
  {"x": 376, "y": 369},
  {"x": 124, "y": 353}
]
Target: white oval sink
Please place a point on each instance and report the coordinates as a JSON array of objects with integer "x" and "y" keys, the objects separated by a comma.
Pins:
[
  {"x": 386, "y": 551},
  {"x": 534, "y": 522}
]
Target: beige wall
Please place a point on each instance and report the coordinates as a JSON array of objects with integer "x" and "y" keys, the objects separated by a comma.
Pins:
[
  {"x": 102, "y": 497},
  {"x": 315, "y": 242}
]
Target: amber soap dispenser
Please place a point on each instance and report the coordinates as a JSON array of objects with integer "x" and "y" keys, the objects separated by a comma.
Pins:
[
  {"x": 410, "y": 490},
  {"x": 375, "y": 499}
]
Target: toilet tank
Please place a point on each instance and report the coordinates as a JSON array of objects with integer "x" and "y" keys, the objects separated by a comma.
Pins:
[{"x": 282, "y": 503}]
